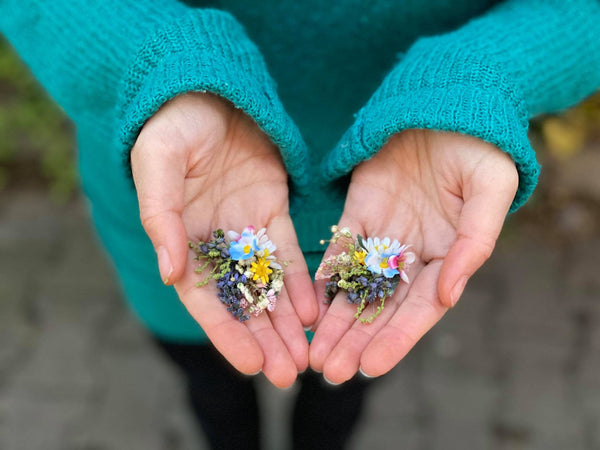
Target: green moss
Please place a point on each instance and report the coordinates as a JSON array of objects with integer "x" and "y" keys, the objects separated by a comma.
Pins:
[{"x": 36, "y": 134}]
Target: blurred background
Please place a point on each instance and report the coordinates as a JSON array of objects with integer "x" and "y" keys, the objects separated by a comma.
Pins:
[{"x": 516, "y": 365}]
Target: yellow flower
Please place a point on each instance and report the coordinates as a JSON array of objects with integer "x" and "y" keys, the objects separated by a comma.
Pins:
[
  {"x": 360, "y": 256},
  {"x": 261, "y": 270}
]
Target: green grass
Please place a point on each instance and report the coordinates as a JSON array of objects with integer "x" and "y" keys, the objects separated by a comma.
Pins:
[{"x": 36, "y": 138}]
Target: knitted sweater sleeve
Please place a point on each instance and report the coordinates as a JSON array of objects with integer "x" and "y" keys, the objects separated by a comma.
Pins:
[
  {"x": 111, "y": 64},
  {"x": 487, "y": 79}
]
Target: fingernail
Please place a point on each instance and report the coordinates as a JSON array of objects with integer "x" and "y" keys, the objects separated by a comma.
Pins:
[
  {"x": 164, "y": 264},
  {"x": 363, "y": 373},
  {"x": 288, "y": 388},
  {"x": 330, "y": 382},
  {"x": 308, "y": 328},
  {"x": 457, "y": 290}
]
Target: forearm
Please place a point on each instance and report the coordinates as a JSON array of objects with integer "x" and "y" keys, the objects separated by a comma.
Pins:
[
  {"x": 486, "y": 79},
  {"x": 112, "y": 64},
  {"x": 79, "y": 50}
]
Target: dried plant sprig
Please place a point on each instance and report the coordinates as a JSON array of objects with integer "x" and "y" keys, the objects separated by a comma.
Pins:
[
  {"x": 248, "y": 276},
  {"x": 369, "y": 270}
]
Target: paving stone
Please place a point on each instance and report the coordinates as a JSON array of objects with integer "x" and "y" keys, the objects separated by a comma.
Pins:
[
  {"x": 460, "y": 389},
  {"x": 277, "y": 406},
  {"x": 138, "y": 400},
  {"x": 131, "y": 399},
  {"x": 37, "y": 420},
  {"x": 514, "y": 366},
  {"x": 590, "y": 402},
  {"x": 395, "y": 414},
  {"x": 540, "y": 404},
  {"x": 16, "y": 328},
  {"x": 462, "y": 339},
  {"x": 574, "y": 176},
  {"x": 397, "y": 431},
  {"x": 581, "y": 280},
  {"x": 30, "y": 229}
]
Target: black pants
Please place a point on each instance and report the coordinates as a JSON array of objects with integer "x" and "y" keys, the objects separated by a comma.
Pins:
[{"x": 225, "y": 403}]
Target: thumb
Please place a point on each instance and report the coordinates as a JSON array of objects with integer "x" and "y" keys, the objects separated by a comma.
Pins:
[
  {"x": 479, "y": 226},
  {"x": 159, "y": 175}
]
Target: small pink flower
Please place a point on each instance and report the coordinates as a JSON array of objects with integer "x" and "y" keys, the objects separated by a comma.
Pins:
[
  {"x": 272, "y": 297},
  {"x": 325, "y": 269},
  {"x": 393, "y": 261}
]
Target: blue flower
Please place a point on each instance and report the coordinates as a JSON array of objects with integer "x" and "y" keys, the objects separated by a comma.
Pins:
[
  {"x": 384, "y": 257},
  {"x": 244, "y": 246}
]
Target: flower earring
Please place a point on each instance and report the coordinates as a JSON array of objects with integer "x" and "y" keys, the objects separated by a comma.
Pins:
[
  {"x": 368, "y": 270},
  {"x": 248, "y": 276}
]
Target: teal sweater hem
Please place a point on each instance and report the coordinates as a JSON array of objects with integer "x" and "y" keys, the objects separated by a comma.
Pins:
[
  {"x": 208, "y": 51},
  {"x": 480, "y": 113},
  {"x": 485, "y": 80},
  {"x": 111, "y": 64}
]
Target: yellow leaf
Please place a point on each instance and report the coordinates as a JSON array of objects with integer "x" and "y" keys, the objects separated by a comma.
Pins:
[{"x": 563, "y": 138}]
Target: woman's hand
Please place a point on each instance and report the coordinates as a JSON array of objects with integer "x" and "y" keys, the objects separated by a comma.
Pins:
[
  {"x": 200, "y": 164},
  {"x": 445, "y": 194}
]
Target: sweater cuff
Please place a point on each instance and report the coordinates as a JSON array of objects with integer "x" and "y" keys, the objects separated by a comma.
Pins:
[
  {"x": 208, "y": 51},
  {"x": 439, "y": 88}
]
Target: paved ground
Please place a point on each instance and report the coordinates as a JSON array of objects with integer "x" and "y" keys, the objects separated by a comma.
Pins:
[{"x": 515, "y": 366}]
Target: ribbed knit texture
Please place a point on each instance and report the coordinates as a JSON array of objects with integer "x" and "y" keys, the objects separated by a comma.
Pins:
[
  {"x": 79, "y": 50},
  {"x": 486, "y": 79},
  {"x": 207, "y": 50},
  {"x": 480, "y": 67}
]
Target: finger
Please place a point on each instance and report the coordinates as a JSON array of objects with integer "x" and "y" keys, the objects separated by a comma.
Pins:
[
  {"x": 290, "y": 329},
  {"x": 159, "y": 173},
  {"x": 479, "y": 225},
  {"x": 231, "y": 337},
  {"x": 279, "y": 367},
  {"x": 333, "y": 249},
  {"x": 297, "y": 280},
  {"x": 336, "y": 316},
  {"x": 250, "y": 346},
  {"x": 344, "y": 360},
  {"x": 323, "y": 302},
  {"x": 419, "y": 312},
  {"x": 332, "y": 327}
]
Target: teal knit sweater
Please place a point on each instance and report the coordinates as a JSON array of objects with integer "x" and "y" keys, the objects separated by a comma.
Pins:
[{"x": 329, "y": 82}]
